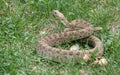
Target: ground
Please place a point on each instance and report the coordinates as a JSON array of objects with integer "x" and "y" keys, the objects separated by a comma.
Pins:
[{"x": 24, "y": 22}]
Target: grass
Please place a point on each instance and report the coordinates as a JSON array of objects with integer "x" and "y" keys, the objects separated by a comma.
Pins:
[{"x": 21, "y": 22}]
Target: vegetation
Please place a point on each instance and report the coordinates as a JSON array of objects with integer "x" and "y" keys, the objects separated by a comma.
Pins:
[{"x": 22, "y": 23}]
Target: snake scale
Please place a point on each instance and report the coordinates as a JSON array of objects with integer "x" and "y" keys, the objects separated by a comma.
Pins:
[{"x": 78, "y": 29}]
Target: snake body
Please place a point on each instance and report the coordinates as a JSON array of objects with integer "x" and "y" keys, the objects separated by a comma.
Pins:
[{"x": 45, "y": 46}]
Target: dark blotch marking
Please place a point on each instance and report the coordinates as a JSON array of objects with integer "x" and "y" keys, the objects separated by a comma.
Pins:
[
  {"x": 71, "y": 53},
  {"x": 77, "y": 53},
  {"x": 57, "y": 51}
]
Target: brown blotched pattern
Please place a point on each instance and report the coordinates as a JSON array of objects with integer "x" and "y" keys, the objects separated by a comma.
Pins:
[{"x": 45, "y": 45}]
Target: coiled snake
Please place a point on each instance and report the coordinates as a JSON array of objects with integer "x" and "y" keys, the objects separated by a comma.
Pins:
[{"x": 77, "y": 29}]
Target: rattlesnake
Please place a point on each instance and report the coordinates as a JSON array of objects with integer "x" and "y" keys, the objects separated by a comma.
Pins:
[{"x": 45, "y": 46}]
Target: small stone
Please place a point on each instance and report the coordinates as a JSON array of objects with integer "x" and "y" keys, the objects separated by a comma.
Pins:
[
  {"x": 86, "y": 58},
  {"x": 103, "y": 62},
  {"x": 74, "y": 47}
]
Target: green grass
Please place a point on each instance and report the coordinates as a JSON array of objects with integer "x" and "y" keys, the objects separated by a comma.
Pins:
[{"x": 21, "y": 22}]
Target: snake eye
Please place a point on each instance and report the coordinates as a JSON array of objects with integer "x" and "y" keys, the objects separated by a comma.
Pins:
[{"x": 55, "y": 12}]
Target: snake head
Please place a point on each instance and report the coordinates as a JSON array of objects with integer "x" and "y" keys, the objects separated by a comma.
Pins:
[
  {"x": 61, "y": 17},
  {"x": 58, "y": 14}
]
